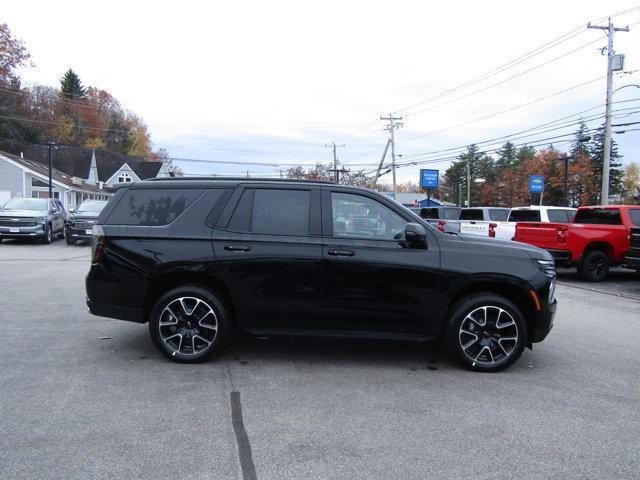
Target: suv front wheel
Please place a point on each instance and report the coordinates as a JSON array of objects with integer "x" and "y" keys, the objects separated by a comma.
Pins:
[
  {"x": 189, "y": 324},
  {"x": 486, "y": 332}
]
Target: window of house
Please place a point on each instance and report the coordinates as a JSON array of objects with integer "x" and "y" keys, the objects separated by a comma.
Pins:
[
  {"x": 124, "y": 177},
  {"x": 272, "y": 212},
  {"x": 357, "y": 216}
]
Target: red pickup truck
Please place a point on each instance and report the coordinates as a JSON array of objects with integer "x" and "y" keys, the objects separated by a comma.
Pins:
[{"x": 598, "y": 238}]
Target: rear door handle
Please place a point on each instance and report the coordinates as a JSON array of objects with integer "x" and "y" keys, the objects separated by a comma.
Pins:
[
  {"x": 237, "y": 248},
  {"x": 341, "y": 253}
]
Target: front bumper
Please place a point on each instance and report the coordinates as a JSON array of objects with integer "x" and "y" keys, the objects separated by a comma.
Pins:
[
  {"x": 78, "y": 233},
  {"x": 544, "y": 321},
  {"x": 22, "y": 232},
  {"x": 632, "y": 261}
]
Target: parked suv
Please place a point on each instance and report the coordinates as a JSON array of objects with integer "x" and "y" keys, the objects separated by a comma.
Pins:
[
  {"x": 80, "y": 222},
  {"x": 37, "y": 218},
  {"x": 199, "y": 258}
]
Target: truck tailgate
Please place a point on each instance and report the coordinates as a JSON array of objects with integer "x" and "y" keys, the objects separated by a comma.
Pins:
[
  {"x": 543, "y": 235},
  {"x": 475, "y": 227}
]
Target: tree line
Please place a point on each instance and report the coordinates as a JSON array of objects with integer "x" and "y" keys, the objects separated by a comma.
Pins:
[
  {"x": 504, "y": 180},
  {"x": 69, "y": 114}
]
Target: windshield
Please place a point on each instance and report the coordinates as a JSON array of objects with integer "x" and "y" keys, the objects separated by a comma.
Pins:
[
  {"x": 92, "y": 207},
  {"x": 39, "y": 204},
  {"x": 524, "y": 216}
]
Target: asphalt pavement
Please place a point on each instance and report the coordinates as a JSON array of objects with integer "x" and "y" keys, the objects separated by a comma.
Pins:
[{"x": 84, "y": 397}]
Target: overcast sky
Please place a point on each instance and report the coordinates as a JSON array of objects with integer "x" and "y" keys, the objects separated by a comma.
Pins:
[{"x": 272, "y": 82}]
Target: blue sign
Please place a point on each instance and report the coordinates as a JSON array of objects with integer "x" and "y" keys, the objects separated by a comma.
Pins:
[
  {"x": 429, "y": 179},
  {"x": 536, "y": 184}
]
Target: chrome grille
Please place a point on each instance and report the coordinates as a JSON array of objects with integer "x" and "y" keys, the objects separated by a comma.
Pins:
[{"x": 17, "y": 222}]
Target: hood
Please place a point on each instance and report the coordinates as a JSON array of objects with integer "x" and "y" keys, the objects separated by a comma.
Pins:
[
  {"x": 84, "y": 215},
  {"x": 507, "y": 246},
  {"x": 23, "y": 213}
]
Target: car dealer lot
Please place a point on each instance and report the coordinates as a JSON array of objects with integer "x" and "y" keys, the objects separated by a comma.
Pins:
[{"x": 89, "y": 397}]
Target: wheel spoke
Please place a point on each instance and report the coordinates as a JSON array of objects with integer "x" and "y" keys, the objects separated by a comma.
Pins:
[
  {"x": 469, "y": 343},
  {"x": 202, "y": 339}
]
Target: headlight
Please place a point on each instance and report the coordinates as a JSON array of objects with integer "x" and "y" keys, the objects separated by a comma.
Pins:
[
  {"x": 41, "y": 220},
  {"x": 547, "y": 266}
]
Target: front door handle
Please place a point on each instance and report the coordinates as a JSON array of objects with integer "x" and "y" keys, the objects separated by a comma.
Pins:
[
  {"x": 341, "y": 253},
  {"x": 237, "y": 248}
]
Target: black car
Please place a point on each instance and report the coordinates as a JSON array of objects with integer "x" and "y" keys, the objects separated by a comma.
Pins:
[
  {"x": 32, "y": 218},
  {"x": 200, "y": 258},
  {"x": 81, "y": 221}
]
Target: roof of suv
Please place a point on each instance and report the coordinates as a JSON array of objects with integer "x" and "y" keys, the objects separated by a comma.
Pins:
[{"x": 217, "y": 180}]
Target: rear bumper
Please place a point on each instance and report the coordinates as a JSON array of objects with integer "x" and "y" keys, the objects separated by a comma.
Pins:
[
  {"x": 115, "y": 311},
  {"x": 544, "y": 322},
  {"x": 563, "y": 256},
  {"x": 23, "y": 232}
]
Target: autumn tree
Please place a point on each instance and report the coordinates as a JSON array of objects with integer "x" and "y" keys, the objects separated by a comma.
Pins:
[{"x": 631, "y": 184}]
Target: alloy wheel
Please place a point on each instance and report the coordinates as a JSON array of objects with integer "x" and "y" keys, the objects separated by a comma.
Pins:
[
  {"x": 188, "y": 325},
  {"x": 488, "y": 335}
]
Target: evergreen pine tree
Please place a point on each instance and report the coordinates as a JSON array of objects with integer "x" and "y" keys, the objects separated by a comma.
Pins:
[
  {"x": 71, "y": 86},
  {"x": 525, "y": 153},
  {"x": 506, "y": 157},
  {"x": 596, "y": 150},
  {"x": 580, "y": 146}
]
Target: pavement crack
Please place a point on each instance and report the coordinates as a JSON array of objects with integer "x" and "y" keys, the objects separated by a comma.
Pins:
[{"x": 242, "y": 439}]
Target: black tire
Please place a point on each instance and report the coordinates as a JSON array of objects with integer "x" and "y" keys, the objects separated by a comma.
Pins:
[
  {"x": 48, "y": 235},
  {"x": 70, "y": 241},
  {"x": 594, "y": 266},
  {"x": 498, "y": 343},
  {"x": 173, "y": 339}
]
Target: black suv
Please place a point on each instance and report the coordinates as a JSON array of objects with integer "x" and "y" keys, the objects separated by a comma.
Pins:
[{"x": 199, "y": 258}]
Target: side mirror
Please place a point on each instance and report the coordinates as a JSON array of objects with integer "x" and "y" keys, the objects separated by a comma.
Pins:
[
  {"x": 415, "y": 235},
  {"x": 71, "y": 210}
]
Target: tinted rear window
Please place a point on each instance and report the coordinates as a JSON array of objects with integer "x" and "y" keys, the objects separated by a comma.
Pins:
[
  {"x": 429, "y": 213},
  {"x": 272, "y": 212},
  {"x": 599, "y": 216},
  {"x": 152, "y": 207},
  {"x": 450, "y": 213},
  {"x": 634, "y": 213},
  {"x": 498, "y": 215},
  {"x": 524, "y": 216},
  {"x": 471, "y": 214}
]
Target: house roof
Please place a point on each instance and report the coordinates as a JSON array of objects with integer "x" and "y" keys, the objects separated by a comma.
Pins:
[
  {"x": 76, "y": 161},
  {"x": 56, "y": 174}
]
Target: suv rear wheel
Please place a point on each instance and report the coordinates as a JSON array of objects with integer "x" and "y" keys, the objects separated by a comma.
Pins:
[
  {"x": 486, "y": 332},
  {"x": 594, "y": 266},
  {"x": 189, "y": 324}
]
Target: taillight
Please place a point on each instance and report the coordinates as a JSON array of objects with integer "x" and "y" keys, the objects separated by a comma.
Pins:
[
  {"x": 441, "y": 225},
  {"x": 97, "y": 243},
  {"x": 562, "y": 233},
  {"x": 492, "y": 229}
]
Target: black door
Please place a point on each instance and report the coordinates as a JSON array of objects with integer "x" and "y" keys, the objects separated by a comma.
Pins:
[
  {"x": 268, "y": 244},
  {"x": 371, "y": 279}
]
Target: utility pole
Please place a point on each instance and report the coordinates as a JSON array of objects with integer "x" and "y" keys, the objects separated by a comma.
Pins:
[
  {"x": 610, "y": 29},
  {"x": 335, "y": 158},
  {"x": 390, "y": 128},
  {"x": 469, "y": 183},
  {"x": 51, "y": 145},
  {"x": 384, "y": 154}
]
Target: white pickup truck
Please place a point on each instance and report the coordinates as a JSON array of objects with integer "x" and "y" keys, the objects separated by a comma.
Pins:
[{"x": 506, "y": 230}]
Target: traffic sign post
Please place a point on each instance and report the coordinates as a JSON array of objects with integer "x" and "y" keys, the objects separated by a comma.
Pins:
[
  {"x": 429, "y": 180},
  {"x": 536, "y": 185}
]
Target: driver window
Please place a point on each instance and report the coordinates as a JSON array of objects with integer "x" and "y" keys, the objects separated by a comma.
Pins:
[{"x": 357, "y": 216}]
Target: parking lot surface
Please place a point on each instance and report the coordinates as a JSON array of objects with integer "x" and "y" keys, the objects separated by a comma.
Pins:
[{"x": 87, "y": 397}]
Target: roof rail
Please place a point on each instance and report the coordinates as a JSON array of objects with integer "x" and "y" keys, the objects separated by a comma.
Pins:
[{"x": 238, "y": 179}]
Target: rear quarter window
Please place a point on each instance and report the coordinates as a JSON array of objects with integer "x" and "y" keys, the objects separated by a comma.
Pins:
[
  {"x": 451, "y": 213},
  {"x": 151, "y": 206},
  {"x": 599, "y": 216}
]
